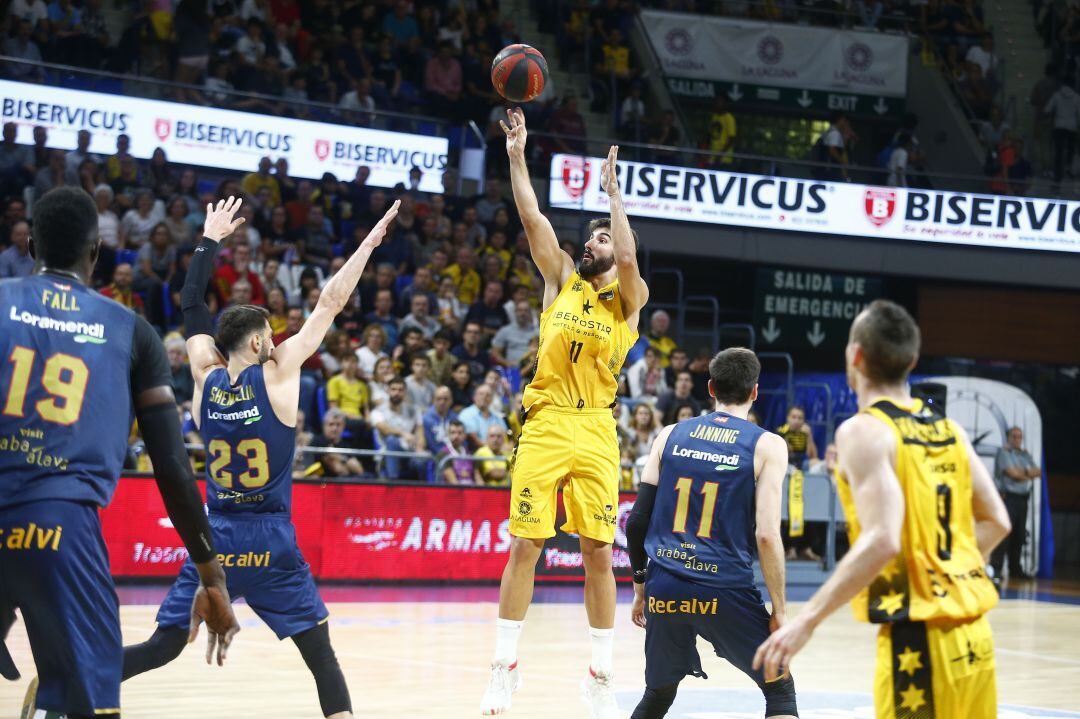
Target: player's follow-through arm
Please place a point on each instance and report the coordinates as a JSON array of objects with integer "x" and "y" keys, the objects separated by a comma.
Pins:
[
  {"x": 770, "y": 483},
  {"x": 637, "y": 524},
  {"x": 554, "y": 264},
  {"x": 865, "y": 447},
  {"x": 159, "y": 422},
  {"x": 632, "y": 287},
  {"x": 294, "y": 351},
  {"x": 198, "y": 324}
]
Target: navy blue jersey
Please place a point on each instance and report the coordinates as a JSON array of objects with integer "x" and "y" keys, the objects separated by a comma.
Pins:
[
  {"x": 249, "y": 452},
  {"x": 702, "y": 525},
  {"x": 66, "y": 366}
]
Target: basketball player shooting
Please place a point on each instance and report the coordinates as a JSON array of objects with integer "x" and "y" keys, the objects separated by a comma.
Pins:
[
  {"x": 569, "y": 435},
  {"x": 246, "y": 410},
  {"x": 923, "y": 516}
]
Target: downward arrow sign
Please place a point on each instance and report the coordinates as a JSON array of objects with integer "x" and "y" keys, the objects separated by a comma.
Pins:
[
  {"x": 816, "y": 336},
  {"x": 770, "y": 332},
  {"x": 805, "y": 100},
  {"x": 880, "y": 107},
  {"x": 735, "y": 93}
]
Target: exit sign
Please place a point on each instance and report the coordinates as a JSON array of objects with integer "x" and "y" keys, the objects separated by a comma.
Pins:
[{"x": 804, "y": 310}]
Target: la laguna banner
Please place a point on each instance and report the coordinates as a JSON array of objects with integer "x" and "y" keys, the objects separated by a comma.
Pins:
[
  {"x": 790, "y": 56},
  {"x": 212, "y": 137},
  {"x": 836, "y": 208}
]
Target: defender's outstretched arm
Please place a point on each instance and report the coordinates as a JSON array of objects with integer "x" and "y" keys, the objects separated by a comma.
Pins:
[{"x": 294, "y": 351}]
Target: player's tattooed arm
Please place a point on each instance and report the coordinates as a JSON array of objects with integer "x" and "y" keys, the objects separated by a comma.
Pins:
[
  {"x": 294, "y": 351},
  {"x": 772, "y": 453},
  {"x": 991, "y": 518},
  {"x": 198, "y": 322},
  {"x": 865, "y": 446},
  {"x": 554, "y": 264},
  {"x": 632, "y": 288}
]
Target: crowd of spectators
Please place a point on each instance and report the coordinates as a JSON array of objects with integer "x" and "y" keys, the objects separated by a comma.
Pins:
[
  {"x": 359, "y": 56},
  {"x": 428, "y": 360}
]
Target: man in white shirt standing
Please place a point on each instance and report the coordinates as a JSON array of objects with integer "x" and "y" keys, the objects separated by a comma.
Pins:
[
  {"x": 898, "y": 161},
  {"x": 1064, "y": 111},
  {"x": 983, "y": 56}
]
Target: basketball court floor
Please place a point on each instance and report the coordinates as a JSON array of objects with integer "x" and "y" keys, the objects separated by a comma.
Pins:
[{"x": 424, "y": 652}]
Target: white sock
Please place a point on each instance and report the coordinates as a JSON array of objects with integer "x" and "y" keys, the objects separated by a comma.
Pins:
[
  {"x": 603, "y": 644},
  {"x": 507, "y": 633}
]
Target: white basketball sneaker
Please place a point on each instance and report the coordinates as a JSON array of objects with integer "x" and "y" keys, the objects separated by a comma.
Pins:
[
  {"x": 598, "y": 691},
  {"x": 504, "y": 681}
]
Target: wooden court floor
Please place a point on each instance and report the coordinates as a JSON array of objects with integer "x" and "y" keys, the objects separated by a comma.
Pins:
[{"x": 429, "y": 659}]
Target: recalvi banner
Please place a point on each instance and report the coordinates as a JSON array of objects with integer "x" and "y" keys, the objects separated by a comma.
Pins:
[
  {"x": 212, "y": 137},
  {"x": 795, "y": 56},
  {"x": 796, "y": 205}
]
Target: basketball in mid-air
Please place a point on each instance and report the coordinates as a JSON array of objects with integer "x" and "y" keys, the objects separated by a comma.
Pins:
[{"x": 519, "y": 73}]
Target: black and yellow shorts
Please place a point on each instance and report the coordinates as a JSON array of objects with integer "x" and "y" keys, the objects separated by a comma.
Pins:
[
  {"x": 578, "y": 449},
  {"x": 936, "y": 670}
]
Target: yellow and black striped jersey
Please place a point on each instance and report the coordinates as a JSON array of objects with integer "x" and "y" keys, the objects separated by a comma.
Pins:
[{"x": 939, "y": 573}]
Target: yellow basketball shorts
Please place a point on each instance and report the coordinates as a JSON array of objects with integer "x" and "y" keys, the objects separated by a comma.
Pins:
[
  {"x": 943, "y": 670},
  {"x": 578, "y": 449}
]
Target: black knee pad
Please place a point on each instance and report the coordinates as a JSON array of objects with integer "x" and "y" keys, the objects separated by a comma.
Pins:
[
  {"x": 314, "y": 646},
  {"x": 780, "y": 697},
  {"x": 656, "y": 702}
]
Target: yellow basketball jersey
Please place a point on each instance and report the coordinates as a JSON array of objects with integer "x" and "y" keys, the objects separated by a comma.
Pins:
[
  {"x": 939, "y": 573},
  {"x": 584, "y": 339}
]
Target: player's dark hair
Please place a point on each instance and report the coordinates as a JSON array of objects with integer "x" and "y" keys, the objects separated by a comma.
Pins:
[
  {"x": 604, "y": 223},
  {"x": 798, "y": 407},
  {"x": 733, "y": 374},
  {"x": 457, "y": 423},
  {"x": 237, "y": 324},
  {"x": 396, "y": 380},
  {"x": 444, "y": 334},
  {"x": 65, "y": 228},
  {"x": 889, "y": 339}
]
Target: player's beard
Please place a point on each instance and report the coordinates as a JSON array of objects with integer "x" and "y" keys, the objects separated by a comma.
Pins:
[
  {"x": 594, "y": 266},
  {"x": 264, "y": 353}
]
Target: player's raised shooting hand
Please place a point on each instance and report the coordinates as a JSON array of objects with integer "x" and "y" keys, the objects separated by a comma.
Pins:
[
  {"x": 220, "y": 221},
  {"x": 375, "y": 237},
  {"x": 516, "y": 134},
  {"x": 774, "y": 656},
  {"x": 609, "y": 178},
  {"x": 212, "y": 605},
  {"x": 637, "y": 611}
]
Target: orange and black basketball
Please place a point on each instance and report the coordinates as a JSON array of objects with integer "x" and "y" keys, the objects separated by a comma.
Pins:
[{"x": 519, "y": 73}]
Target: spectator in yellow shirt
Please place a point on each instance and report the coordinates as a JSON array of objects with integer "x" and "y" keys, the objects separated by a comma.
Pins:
[
  {"x": 722, "y": 133},
  {"x": 346, "y": 391},
  {"x": 465, "y": 277},
  {"x": 255, "y": 181},
  {"x": 493, "y": 471}
]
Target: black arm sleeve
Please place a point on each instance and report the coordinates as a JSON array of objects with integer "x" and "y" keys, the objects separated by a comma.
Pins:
[
  {"x": 197, "y": 319},
  {"x": 160, "y": 427},
  {"x": 637, "y": 525}
]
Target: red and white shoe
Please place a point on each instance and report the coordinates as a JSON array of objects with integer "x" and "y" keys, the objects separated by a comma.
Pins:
[
  {"x": 504, "y": 681},
  {"x": 598, "y": 691}
]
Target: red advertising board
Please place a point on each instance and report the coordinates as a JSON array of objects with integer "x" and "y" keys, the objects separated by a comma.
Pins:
[{"x": 362, "y": 532}]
